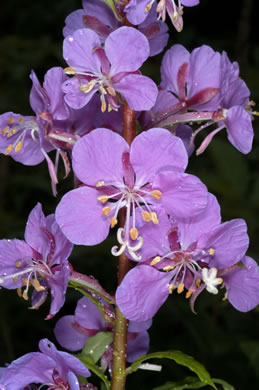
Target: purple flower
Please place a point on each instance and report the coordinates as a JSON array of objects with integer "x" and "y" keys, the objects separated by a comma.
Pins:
[
  {"x": 194, "y": 78},
  {"x": 73, "y": 331},
  {"x": 142, "y": 177},
  {"x": 192, "y": 254},
  {"x": 233, "y": 101},
  {"x": 100, "y": 18},
  {"x": 40, "y": 261},
  {"x": 50, "y": 367},
  {"x": 137, "y": 10},
  {"x": 108, "y": 70}
]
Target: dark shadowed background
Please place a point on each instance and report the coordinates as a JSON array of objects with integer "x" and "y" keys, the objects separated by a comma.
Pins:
[{"x": 224, "y": 340}]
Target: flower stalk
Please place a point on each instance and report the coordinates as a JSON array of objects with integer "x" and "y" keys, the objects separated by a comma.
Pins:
[{"x": 121, "y": 324}]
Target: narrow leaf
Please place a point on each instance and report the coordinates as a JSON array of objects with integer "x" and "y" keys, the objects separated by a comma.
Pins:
[
  {"x": 89, "y": 363},
  {"x": 180, "y": 358},
  {"x": 96, "y": 345}
]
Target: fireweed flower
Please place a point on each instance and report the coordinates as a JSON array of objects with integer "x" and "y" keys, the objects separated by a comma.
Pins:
[
  {"x": 40, "y": 261},
  {"x": 191, "y": 254},
  {"x": 100, "y": 18},
  {"x": 148, "y": 174},
  {"x": 109, "y": 70},
  {"x": 235, "y": 108},
  {"x": 73, "y": 331},
  {"x": 50, "y": 367},
  {"x": 137, "y": 10}
]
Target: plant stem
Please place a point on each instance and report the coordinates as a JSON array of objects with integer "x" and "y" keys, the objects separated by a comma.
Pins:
[{"x": 121, "y": 324}]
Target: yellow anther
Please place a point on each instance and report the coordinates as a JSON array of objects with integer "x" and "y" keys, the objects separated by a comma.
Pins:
[
  {"x": 154, "y": 218},
  {"x": 146, "y": 216},
  {"x": 156, "y": 194},
  {"x": 198, "y": 283},
  {"x": 11, "y": 120},
  {"x": 106, "y": 211},
  {"x": 5, "y": 130},
  {"x": 15, "y": 279},
  {"x": 25, "y": 295},
  {"x": 110, "y": 108},
  {"x": 19, "y": 292},
  {"x": 113, "y": 222},
  {"x": 180, "y": 288},
  {"x": 18, "y": 147},
  {"x": 100, "y": 183},
  {"x": 24, "y": 281},
  {"x": 102, "y": 198},
  {"x": 111, "y": 91},
  {"x": 70, "y": 71},
  {"x": 175, "y": 16},
  {"x": 21, "y": 120},
  {"x": 211, "y": 251},
  {"x": 103, "y": 106},
  {"x": 134, "y": 233},
  {"x": 188, "y": 294},
  {"x": 171, "y": 288},
  {"x": 148, "y": 7},
  {"x": 9, "y": 149},
  {"x": 11, "y": 132},
  {"x": 37, "y": 286},
  {"x": 225, "y": 297},
  {"x": 155, "y": 260},
  {"x": 86, "y": 87},
  {"x": 168, "y": 268},
  {"x": 18, "y": 264}
]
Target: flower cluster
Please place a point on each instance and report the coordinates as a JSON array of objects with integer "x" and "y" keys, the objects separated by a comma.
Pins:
[{"x": 165, "y": 219}]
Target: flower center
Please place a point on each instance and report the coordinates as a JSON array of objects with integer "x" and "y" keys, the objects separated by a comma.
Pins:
[{"x": 17, "y": 130}]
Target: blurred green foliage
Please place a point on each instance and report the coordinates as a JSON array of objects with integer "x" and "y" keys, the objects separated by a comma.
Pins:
[{"x": 224, "y": 340}]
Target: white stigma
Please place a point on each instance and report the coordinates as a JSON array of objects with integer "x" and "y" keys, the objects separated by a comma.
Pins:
[
  {"x": 209, "y": 277},
  {"x": 125, "y": 244}
]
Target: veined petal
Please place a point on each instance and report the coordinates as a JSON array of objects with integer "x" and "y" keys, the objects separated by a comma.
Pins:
[
  {"x": 139, "y": 91},
  {"x": 138, "y": 346},
  {"x": 239, "y": 128},
  {"x": 79, "y": 215},
  {"x": 73, "y": 96},
  {"x": 88, "y": 315},
  {"x": 73, "y": 22},
  {"x": 135, "y": 11},
  {"x": 193, "y": 227},
  {"x": 78, "y": 51},
  {"x": 117, "y": 50},
  {"x": 243, "y": 285},
  {"x": 173, "y": 59},
  {"x": 67, "y": 336},
  {"x": 142, "y": 292},
  {"x": 155, "y": 149},
  {"x": 230, "y": 242},
  {"x": 98, "y": 156},
  {"x": 34, "y": 236},
  {"x": 183, "y": 194}
]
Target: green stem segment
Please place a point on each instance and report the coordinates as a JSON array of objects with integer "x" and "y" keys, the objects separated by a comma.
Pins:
[{"x": 121, "y": 324}]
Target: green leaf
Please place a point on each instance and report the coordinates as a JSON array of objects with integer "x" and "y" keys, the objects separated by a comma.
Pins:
[
  {"x": 180, "y": 358},
  {"x": 186, "y": 383},
  {"x": 89, "y": 363},
  {"x": 224, "y": 384},
  {"x": 95, "y": 346},
  {"x": 111, "y": 4}
]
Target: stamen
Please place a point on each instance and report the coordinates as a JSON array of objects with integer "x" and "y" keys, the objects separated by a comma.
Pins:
[
  {"x": 19, "y": 292},
  {"x": 103, "y": 103},
  {"x": 113, "y": 222},
  {"x": 100, "y": 183},
  {"x": 5, "y": 130},
  {"x": 103, "y": 198},
  {"x": 18, "y": 146},
  {"x": 86, "y": 87},
  {"x": 171, "y": 288},
  {"x": 11, "y": 120},
  {"x": 155, "y": 260},
  {"x": 211, "y": 251},
  {"x": 9, "y": 149},
  {"x": 70, "y": 71},
  {"x": 156, "y": 194},
  {"x": 134, "y": 233},
  {"x": 18, "y": 264},
  {"x": 154, "y": 218},
  {"x": 198, "y": 283},
  {"x": 36, "y": 284},
  {"x": 21, "y": 120},
  {"x": 180, "y": 288},
  {"x": 146, "y": 216},
  {"x": 168, "y": 268},
  {"x": 189, "y": 293},
  {"x": 106, "y": 211}
]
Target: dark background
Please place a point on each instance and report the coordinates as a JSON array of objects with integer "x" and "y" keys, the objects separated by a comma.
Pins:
[{"x": 224, "y": 340}]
